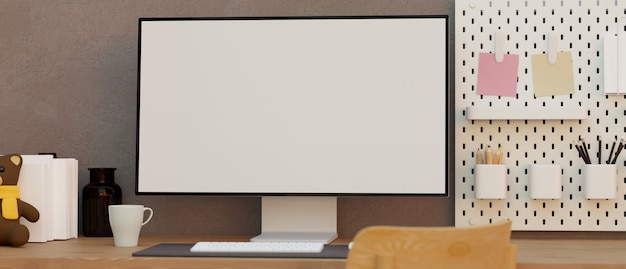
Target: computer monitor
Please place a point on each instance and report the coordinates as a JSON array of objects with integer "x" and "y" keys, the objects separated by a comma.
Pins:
[{"x": 299, "y": 108}]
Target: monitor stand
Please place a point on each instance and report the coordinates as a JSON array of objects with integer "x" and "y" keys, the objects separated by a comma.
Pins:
[{"x": 298, "y": 218}]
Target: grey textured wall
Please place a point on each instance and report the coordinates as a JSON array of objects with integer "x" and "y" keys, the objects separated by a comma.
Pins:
[{"x": 68, "y": 85}]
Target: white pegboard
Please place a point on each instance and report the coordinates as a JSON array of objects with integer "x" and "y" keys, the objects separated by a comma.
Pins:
[{"x": 581, "y": 26}]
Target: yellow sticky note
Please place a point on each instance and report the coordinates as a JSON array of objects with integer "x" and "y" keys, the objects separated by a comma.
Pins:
[{"x": 553, "y": 79}]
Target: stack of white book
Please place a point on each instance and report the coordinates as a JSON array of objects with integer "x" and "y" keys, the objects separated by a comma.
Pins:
[{"x": 50, "y": 185}]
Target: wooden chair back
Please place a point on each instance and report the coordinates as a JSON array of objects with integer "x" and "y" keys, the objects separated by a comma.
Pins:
[{"x": 392, "y": 247}]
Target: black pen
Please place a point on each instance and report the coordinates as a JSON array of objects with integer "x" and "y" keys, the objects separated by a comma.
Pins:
[
  {"x": 583, "y": 148},
  {"x": 577, "y": 148},
  {"x": 608, "y": 161},
  {"x": 619, "y": 149},
  {"x": 585, "y": 151},
  {"x": 581, "y": 152}
]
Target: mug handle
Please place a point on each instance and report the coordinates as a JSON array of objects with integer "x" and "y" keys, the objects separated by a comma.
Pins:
[{"x": 149, "y": 216}]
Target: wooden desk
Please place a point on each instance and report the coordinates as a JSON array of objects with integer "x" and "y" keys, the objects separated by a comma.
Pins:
[
  {"x": 91, "y": 253},
  {"x": 95, "y": 252}
]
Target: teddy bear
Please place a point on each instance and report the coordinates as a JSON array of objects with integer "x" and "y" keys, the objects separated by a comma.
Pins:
[{"x": 12, "y": 233}]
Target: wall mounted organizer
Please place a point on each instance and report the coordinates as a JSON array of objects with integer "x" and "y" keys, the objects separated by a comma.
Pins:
[{"x": 538, "y": 130}]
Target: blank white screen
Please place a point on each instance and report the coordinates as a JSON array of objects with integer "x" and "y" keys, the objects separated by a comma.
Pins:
[{"x": 293, "y": 106}]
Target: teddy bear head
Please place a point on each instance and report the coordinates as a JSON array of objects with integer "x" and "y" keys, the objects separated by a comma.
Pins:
[{"x": 10, "y": 166}]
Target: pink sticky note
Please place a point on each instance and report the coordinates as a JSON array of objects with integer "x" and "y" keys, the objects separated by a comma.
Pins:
[{"x": 499, "y": 79}]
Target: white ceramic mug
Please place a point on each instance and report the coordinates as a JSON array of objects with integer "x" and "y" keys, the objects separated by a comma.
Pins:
[{"x": 126, "y": 222}]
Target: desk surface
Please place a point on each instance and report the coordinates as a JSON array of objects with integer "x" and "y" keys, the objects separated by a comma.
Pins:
[{"x": 86, "y": 252}]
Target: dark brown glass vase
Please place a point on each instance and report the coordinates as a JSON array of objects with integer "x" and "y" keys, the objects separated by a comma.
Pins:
[{"x": 98, "y": 194}]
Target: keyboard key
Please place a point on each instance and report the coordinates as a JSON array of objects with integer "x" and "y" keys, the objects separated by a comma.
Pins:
[{"x": 259, "y": 247}]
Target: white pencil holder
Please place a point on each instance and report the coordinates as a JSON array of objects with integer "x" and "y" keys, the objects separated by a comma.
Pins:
[
  {"x": 490, "y": 181},
  {"x": 600, "y": 181},
  {"x": 545, "y": 181}
]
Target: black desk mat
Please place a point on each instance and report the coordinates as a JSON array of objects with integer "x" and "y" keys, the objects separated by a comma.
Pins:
[{"x": 183, "y": 250}]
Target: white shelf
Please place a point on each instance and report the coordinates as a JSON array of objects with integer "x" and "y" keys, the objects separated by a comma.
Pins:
[{"x": 526, "y": 113}]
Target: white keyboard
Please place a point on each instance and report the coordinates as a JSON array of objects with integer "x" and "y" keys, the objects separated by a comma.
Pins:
[{"x": 259, "y": 247}]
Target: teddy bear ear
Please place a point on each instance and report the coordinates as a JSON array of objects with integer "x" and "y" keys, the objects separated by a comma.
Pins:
[{"x": 16, "y": 159}]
